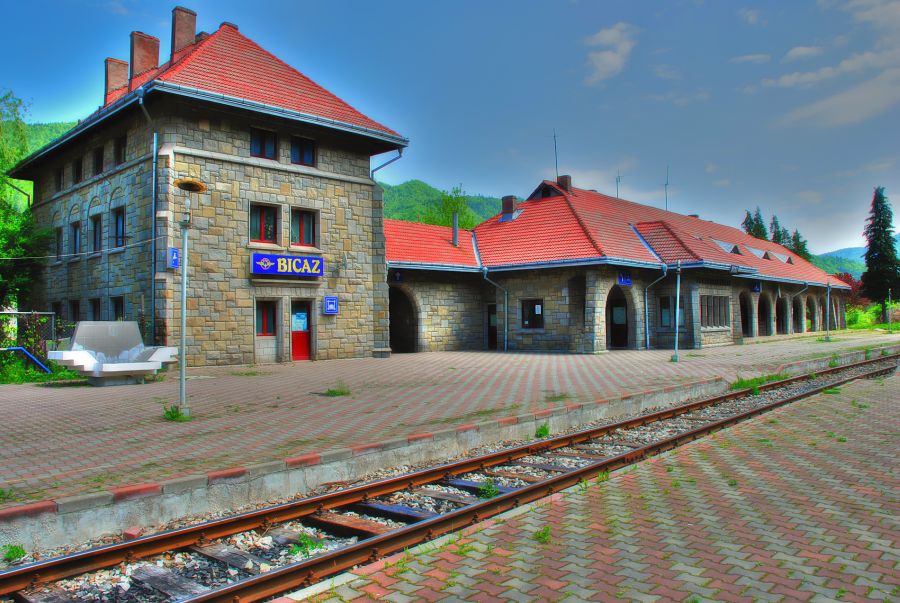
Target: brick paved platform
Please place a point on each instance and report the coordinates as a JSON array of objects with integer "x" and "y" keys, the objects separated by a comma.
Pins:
[
  {"x": 63, "y": 441},
  {"x": 798, "y": 504}
]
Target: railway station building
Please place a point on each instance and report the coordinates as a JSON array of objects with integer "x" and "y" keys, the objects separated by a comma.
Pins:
[
  {"x": 291, "y": 257},
  {"x": 573, "y": 270}
]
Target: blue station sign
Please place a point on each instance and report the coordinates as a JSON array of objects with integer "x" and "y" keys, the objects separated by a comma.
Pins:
[
  {"x": 330, "y": 304},
  {"x": 272, "y": 264}
]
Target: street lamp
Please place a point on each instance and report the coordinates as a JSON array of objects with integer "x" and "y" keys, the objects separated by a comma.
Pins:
[{"x": 188, "y": 185}]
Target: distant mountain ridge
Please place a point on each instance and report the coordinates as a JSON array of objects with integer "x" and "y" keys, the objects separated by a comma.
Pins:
[
  {"x": 409, "y": 200},
  {"x": 854, "y": 252}
]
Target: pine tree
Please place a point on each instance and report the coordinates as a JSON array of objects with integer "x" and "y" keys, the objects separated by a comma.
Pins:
[
  {"x": 797, "y": 244},
  {"x": 759, "y": 226},
  {"x": 748, "y": 222},
  {"x": 776, "y": 230},
  {"x": 882, "y": 268}
]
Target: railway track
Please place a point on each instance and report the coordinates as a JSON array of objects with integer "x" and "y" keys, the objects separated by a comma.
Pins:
[{"x": 255, "y": 555}]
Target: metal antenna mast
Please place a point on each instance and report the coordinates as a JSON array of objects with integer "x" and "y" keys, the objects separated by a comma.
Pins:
[
  {"x": 667, "y": 187},
  {"x": 618, "y": 180},
  {"x": 555, "y": 154}
]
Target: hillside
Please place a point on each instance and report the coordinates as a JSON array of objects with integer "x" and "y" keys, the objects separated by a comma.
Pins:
[
  {"x": 41, "y": 134},
  {"x": 835, "y": 264},
  {"x": 408, "y": 201}
]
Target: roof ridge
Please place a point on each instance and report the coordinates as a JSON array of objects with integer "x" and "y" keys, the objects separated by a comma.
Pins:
[{"x": 581, "y": 223}]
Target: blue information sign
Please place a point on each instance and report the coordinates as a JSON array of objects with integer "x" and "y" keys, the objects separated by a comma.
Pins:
[
  {"x": 625, "y": 278},
  {"x": 757, "y": 287},
  {"x": 330, "y": 304},
  {"x": 287, "y": 265},
  {"x": 174, "y": 258}
]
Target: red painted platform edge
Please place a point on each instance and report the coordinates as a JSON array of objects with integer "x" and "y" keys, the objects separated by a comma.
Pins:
[
  {"x": 27, "y": 510},
  {"x": 312, "y": 458},
  {"x": 508, "y": 421},
  {"x": 135, "y": 491},
  {"x": 417, "y": 437},
  {"x": 365, "y": 448},
  {"x": 224, "y": 474}
]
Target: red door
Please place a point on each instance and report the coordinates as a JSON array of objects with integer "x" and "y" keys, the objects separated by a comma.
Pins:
[{"x": 300, "y": 344}]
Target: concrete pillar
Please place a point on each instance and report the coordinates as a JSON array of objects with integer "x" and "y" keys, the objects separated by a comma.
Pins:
[
  {"x": 595, "y": 311},
  {"x": 754, "y": 314}
]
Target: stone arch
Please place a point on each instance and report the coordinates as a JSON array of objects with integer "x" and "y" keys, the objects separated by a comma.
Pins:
[
  {"x": 95, "y": 206},
  {"x": 764, "y": 315},
  {"x": 782, "y": 316},
  {"x": 621, "y": 323},
  {"x": 812, "y": 314},
  {"x": 747, "y": 314},
  {"x": 405, "y": 320}
]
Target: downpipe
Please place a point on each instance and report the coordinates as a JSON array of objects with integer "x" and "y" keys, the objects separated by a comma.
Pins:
[
  {"x": 140, "y": 92},
  {"x": 505, "y": 308},
  {"x": 665, "y": 270}
]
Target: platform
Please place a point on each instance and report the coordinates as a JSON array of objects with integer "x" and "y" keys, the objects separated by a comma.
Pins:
[
  {"x": 65, "y": 441},
  {"x": 798, "y": 504}
]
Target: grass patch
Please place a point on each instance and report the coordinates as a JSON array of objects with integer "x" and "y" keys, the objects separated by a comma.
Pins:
[
  {"x": 841, "y": 439},
  {"x": 488, "y": 490},
  {"x": 754, "y": 382},
  {"x": 732, "y": 482},
  {"x": 834, "y": 362},
  {"x": 557, "y": 397},
  {"x": 13, "y": 552},
  {"x": 858, "y": 405},
  {"x": 174, "y": 413},
  {"x": 603, "y": 476},
  {"x": 7, "y": 495},
  {"x": 831, "y": 390},
  {"x": 16, "y": 371},
  {"x": 543, "y": 431},
  {"x": 305, "y": 545},
  {"x": 340, "y": 389},
  {"x": 542, "y": 535},
  {"x": 249, "y": 373}
]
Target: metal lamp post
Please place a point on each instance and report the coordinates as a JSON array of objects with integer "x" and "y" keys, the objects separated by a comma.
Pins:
[{"x": 189, "y": 186}]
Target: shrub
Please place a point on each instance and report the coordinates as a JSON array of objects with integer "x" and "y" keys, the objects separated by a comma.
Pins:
[
  {"x": 173, "y": 413},
  {"x": 13, "y": 552},
  {"x": 488, "y": 490},
  {"x": 543, "y": 431}
]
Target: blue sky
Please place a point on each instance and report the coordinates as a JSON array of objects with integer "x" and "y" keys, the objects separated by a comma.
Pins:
[{"x": 792, "y": 106}]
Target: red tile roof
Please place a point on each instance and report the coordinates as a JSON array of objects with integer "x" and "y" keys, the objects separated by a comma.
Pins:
[
  {"x": 583, "y": 226},
  {"x": 230, "y": 64},
  {"x": 411, "y": 242}
]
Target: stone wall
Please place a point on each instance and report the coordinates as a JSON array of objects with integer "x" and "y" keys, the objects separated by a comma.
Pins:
[{"x": 451, "y": 308}]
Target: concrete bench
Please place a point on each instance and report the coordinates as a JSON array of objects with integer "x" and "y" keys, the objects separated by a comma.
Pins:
[{"x": 112, "y": 353}]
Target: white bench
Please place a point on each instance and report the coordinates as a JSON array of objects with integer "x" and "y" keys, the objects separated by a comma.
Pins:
[{"x": 112, "y": 353}]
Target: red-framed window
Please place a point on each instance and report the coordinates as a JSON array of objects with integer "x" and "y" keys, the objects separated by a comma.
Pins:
[
  {"x": 119, "y": 149},
  {"x": 76, "y": 238},
  {"x": 303, "y": 227},
  {"x": 265, "y": 318},
  {"x": 303, "y": 151},
  {"x": 97, "y": 233},
  {"x": 119, "y": 227},
  {"x": 264, "y": 224},
  {"x": 118, "y": 308},
  {"x": 78, "y": 170},
  {"x": 263, "y": 143},
  {"x": 98, "y": 160}
]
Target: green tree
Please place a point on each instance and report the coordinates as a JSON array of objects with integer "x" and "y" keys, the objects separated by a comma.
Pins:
[
  {"x": 755, "y": 226},
  {"x": 797, "y": 244},
  {"x": 22, "y": 243},
  {"x": 882, "y": 268},
  {"x": 441, "y": 212},
  {"x": 777, "y": 231}
]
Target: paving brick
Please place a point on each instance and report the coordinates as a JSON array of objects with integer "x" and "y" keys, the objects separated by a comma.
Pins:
[{"x": 787, "y": 531}]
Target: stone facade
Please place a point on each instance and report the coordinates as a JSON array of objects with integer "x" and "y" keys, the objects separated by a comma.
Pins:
[{"x": 213, "y": 145}]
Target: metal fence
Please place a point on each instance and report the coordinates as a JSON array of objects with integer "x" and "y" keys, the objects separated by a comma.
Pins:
[{"x": 32, "y": 330}]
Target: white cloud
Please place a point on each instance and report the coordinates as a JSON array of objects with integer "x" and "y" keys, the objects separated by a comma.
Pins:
[
  {"x": 752, "y": 16},
  {"x": 711, "y": 168},
  {"x": 798, "y": 53},
  {"x": 851, "y": 106},
  {"x": 680, "y": 99},
  {"x": 880, "y": 165},
  {"x": 810, "y": 197},
  {"x": 723, "y": 183},
  {"x": 757, "y": 58},
  {"x": 618, "y": 42},
  {"x": 855, "y": 63},
  {"x": 666, "y": 72}
]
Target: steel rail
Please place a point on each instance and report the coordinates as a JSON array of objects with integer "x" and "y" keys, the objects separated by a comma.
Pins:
[
  {"x": 57, "y": 568},
  {"x": 316, "y": 568}
]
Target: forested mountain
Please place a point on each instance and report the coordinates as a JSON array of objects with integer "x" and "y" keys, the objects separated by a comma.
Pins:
[
  {"x": 41, "y": 134},
  {"x": 408, "y": 201},
  {"x": 834, "y": 264}
]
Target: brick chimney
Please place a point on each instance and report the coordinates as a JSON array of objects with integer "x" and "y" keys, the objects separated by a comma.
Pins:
[
  {"x": 144, "y": 53},
  {"x": 184, "y": 30},
  {"x": 116, "y": 77},
  {"x": 509, "y": 206},
  {"x": 565, "y": 183}
]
